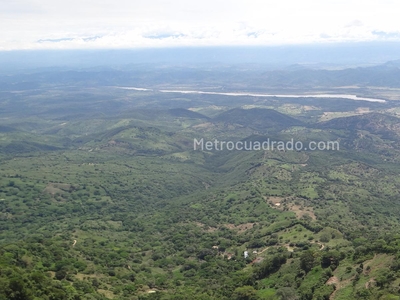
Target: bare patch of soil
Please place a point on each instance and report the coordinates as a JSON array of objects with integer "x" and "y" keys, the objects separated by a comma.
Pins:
[
  {"x": 287, "y": 204},
  {"x": 206, "y": 125},
  {"x": 275, "y": 200},
  {"x": 333, "y": 280},
  {"x": 308, "y": 108},
  {"x": 370, "y": 283},
  {"x": 53, "y": 188},
  {"x": 257, "y": 260},
  {"x": 82, "y": 276},
  {"x": 205, "y": 227},
  {"x": 241, "y": 227},
  {"x": 106, "y": 293},
  {"x": 302, "y": 211}
]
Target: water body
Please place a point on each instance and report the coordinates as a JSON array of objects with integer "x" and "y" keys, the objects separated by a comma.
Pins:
[
  {"x": 342, "y": 96},
  {"x": 135, "y": 89}
]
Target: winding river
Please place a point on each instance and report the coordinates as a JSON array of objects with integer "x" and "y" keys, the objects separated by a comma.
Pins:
[{"x": 342, "y": 96}]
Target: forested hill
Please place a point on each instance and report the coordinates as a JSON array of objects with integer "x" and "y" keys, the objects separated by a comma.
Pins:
[{"x": 102, "y": 195}]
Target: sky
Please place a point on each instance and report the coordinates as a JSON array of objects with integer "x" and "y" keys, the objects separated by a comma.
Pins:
[{"x": 126, "y": 24}]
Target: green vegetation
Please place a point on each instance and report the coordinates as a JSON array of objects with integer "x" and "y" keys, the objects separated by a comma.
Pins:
[{"x": 105, "y": 198}]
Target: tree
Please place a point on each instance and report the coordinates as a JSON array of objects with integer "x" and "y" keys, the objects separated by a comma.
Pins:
[
  {"x": 323, "y": 293},
  {"x": 324, "y": 238},
  {"x": 17, "y": 290},
  {"x": 307, "y": 261},
  {"x": 245, "y": 293},
  {"x": 330, "y": 258},
  {"x": 287, "y": 293},
  {"x": 60, "y": 274}
]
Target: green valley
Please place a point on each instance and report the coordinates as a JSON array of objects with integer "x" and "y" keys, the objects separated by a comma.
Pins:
[{"x": 102, "y": 195}]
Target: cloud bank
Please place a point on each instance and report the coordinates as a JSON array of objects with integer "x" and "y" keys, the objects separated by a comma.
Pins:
[{"x": 54, "y": 24}]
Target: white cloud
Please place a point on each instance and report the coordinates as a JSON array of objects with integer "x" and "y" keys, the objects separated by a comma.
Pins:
[{"x": 43, "y": 24}]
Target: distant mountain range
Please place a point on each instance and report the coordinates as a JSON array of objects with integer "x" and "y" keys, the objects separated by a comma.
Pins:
[
  {"x": 387, "y": 74},
  {"x": 223, "y": 77},
  {"x": 340, "y": 54}
]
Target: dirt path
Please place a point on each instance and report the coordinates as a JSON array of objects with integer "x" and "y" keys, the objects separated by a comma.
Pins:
[
  {"x": 332, "y": 296},
  {"x": 259, "y": 259},
  {"x": 338, "y": 285},
  {"x": 322, "y": 246},
  {"x": 263, "y": 251},
  {"x": 336, "y": 282}
]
